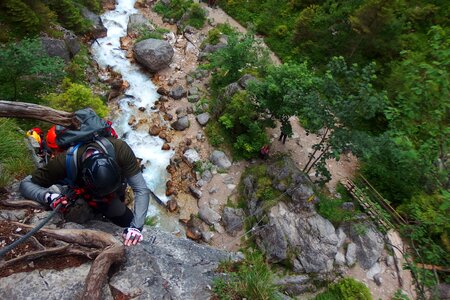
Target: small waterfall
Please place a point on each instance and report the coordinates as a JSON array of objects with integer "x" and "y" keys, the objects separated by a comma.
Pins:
[{"x": 141, "y": 93}]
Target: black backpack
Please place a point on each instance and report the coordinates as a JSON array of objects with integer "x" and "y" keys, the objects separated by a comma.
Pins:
[{"x": 92, "y": 129}]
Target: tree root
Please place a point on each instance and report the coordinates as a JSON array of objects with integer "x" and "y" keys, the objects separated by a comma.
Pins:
[{"x": 85, "y": 242}]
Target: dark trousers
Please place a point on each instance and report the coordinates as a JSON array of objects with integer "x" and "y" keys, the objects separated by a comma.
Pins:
[
  {"x": 283, "y": 137},
  {"x": 116, "y": 211}
]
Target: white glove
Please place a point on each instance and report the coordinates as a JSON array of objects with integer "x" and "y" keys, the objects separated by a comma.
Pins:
[
  {"x": 54, "y": 199},
  {"x": 132, "y": 236}
]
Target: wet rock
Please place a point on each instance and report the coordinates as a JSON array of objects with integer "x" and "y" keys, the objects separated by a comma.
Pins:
[
  {"x": 154, "y": 130},
  {"x": 165, "y": 147},
  {"x": 193, "y": 230},
  {"x": 170, "y": 191},
  {"x": 172, "y": 205},
  {"x": 162, "y": 91}
]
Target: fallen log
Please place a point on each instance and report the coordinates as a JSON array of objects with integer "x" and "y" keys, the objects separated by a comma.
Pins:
[{"x": 13, "y": 109}]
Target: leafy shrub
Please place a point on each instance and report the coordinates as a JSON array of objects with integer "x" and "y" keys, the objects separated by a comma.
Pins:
[
  {"x": 346, "y": 289},
  {"x": 78, "y": 65},
  {"x": 196, "y": 16},
  {"x": 174, "y": 10},
  {"x": 252, "y": 280},
  {"x": 77, "y": 96},
  {"x": 15, "y": 161},
  {"x": 214, "y": 134}
]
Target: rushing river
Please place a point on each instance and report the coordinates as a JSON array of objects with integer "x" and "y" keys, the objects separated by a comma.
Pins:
[{"x": 141, "y": 93}]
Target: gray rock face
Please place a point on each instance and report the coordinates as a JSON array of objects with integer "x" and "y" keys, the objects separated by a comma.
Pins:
[
  {"x": 154, "y": 54},
  {"x": 369, "y": 245},
  {"x": 244, "y": 80},
  {"x": 311, "y": 237},
  {"x": 137, "y": 23},
  {"x": 169, "y": 268},
  {"x": 45, "y": 284},
  {"x": 294, "y": 230},
  {"x": 220, "y": 159}
]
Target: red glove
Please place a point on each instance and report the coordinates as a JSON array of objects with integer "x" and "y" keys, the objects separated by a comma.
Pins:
[
  {"x": 132, "y": 236},
  {"x": 53, "y": 199}
]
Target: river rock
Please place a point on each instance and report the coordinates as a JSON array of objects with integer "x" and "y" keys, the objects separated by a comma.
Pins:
[
  {"x": 177, "y": 93},
  {"x": 203, "y": 118},
  {"x": 191, "y": 155},
  {"x": 181, "y": 124},
  {"x": 219, "y": 159},
  {"x": 154, "y": 54}
]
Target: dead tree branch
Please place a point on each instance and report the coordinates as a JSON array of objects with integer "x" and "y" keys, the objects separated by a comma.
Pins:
[{"x": 12, "y": 109}]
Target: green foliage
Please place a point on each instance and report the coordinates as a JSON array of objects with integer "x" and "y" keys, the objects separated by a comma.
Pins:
[
  {"x": 216, "y": 136},
  {"x": 252, "y": 280},
  {"x": 346, "y": 289},
  {"x": 78, "y": 65},
  {"x": 399, "y": 295},
  {"x": 23, "y": 15},
  {"x": 241, "y": 119},
  {"x": 158, "y": 33},
  {"x": 331, "y": 209},
  {"x": 151, "y": 221},
  {"x": 93, "y": 5},
  {"x": 174, "y": 10},
  {"x": 26, "y": 70},
  {"x": 15, "y": 160},
  {"x": 241, "y": 56},
  {"x": 69, "y": 15},
  {"x": 431, "y": 228},
  {"x": 419, "y": 113},
  {"x": 196, "y": 16},
  {"x": 77, "y": 96}
]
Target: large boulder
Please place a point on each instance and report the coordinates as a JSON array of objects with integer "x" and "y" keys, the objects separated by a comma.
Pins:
[
  {"x": 161, "y": 267},
  {"x": 310, "y": 237},
  {"x": 56, "y": 47},
  {"x": 154, "y": 54}
]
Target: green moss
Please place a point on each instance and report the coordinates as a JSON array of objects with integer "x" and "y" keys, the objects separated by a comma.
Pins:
[{"x": 346, "y": 289}]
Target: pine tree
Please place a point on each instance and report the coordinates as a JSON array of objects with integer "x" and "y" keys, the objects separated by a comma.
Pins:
[{"x": 21, "y": 14}]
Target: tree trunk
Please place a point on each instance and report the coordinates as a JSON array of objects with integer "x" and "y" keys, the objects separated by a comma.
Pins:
[{"x": 12, "y": 109}]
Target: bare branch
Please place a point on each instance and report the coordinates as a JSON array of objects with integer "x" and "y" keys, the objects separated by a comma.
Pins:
[{"x": 12, "y": 109}]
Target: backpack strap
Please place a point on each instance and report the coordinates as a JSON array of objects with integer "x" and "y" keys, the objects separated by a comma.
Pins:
[
  {"x": 106, "y": 145},
  {"x": 72, "y": 164},
  {"x": 71, "y": 157}
]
